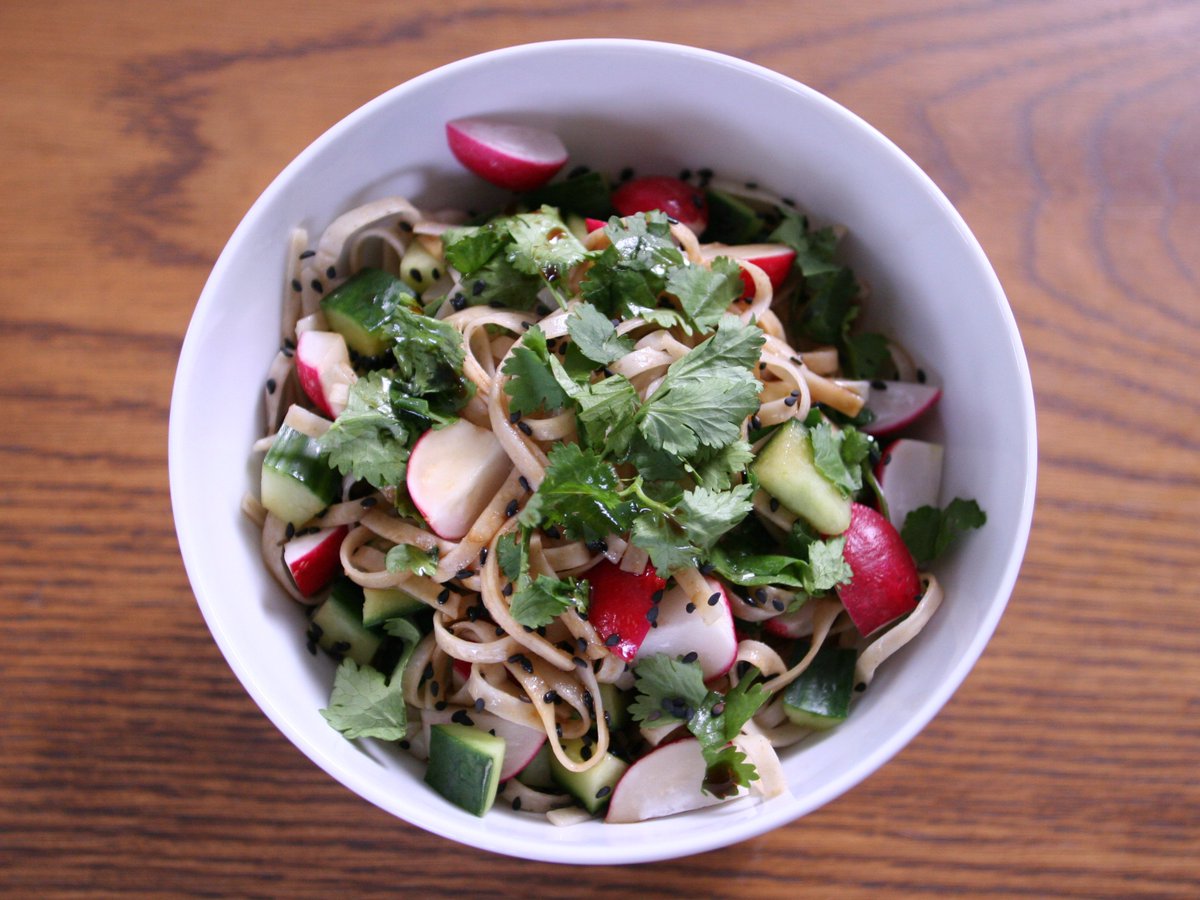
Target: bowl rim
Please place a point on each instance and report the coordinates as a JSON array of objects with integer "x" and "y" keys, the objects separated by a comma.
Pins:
[{"x": 770, "y": 815}]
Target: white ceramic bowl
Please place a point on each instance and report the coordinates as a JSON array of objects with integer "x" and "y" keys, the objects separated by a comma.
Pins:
[{"x": 659, "y": 108}]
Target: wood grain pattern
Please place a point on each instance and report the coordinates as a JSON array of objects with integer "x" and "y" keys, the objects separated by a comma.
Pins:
[{"x": 137, "y": 133}]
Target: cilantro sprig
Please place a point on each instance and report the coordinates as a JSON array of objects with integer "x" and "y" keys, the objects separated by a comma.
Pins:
[
  {"x": 672, "y": 691},
  {"x": 536, "y": 601}
]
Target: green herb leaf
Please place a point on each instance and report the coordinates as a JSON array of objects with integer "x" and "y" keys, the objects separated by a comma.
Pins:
[
  {"x": 669, "y": 549},
  {"x": 596, "y": 336},
  {"x": 409, "y": 558},
  {"x": 532, "y": 384},
  {"x": 707, "y": 514},
  {"x": 469, "y": 249},
  {"x": 868, "y": 356},
  {"x": 542, "y": 600},
  {"x": 512, "y": 554},
  {"x": 928, "y": 532},
  {"x": 706, "y": 294},
  {"x": 582, "y": 494},
  {"x": 429, "y": 357},
  {"x": 608, "y": 414},
  {"x": 365, "y": 704},
  {"x": 666, "y": 686},
  {"x": 814, "y": 249},
  {"x": 368, "y": 441},
  {"x": 542, "y": 245}
]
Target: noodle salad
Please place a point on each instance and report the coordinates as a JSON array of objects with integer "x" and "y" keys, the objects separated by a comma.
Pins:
[{"x": 599, "y": 500}]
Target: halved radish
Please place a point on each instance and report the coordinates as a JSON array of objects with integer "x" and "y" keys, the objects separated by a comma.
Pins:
[
  {"x": 885, "y": 584},
  {"x": 666, "y": 781},
  {"x": 513, "y": 157},
  {"x": 774, "y": 259},
  {"x": 910, "y": 475},
  {"x": 312, "y": 559},
  {"x": 681, "y": 201},
  {"x": 898, "y": 403},
  {"x": 323, "y": 366},
  {"x": 707, "y": 630},
  {"x": 521, "y": 743},
  {"x": 594, "y": 224},
  {"x": 452, "y": 474},
  {"x": 619, "y": 605}
]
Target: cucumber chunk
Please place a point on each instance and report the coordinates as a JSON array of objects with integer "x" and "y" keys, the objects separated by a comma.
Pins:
[
  {"x": 786, "y": 471},
  {"x": 361, "y": 308},
  {"x": 730, "y": 221},
  {"x": 464, "y": 766},
  {"x": 593, "y": 787},
  {"x": 820, "y": 697},
  {"x": 616, "y": 703},
  {"x": 586, "y": 194},
  {"x": 338, "y": 625},
  {"x": 538, "y": 774},
  {"x": 419, "y": 268},
  {"x": 381, "y": 604},
  {"x": 297, "y": 480}
]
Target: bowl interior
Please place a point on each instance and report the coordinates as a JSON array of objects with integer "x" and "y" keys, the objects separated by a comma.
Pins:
[{"x": 658, "y": 108}]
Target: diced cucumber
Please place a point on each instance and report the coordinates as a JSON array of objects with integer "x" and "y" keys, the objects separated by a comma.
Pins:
[
  {"x": 338, "y": 624},
  {"x": 730, "y": 220},
  {"x": 820, "y": 697},
  {"x": 361, "y": 308},
  {"x": 616, "y": 703},
  {"x": 297, "y": 480},
  {"x": 594, "y": 786},
  {"x": 786, "y": 471},
  {"x": 537, "y": 774},
  {"x": 381, "y": 604},
  {"x": 419, "y": 268},
  {"x": 464, "y": 766}
]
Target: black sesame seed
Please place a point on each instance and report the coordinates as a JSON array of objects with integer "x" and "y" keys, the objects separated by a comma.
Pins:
[
  {"x": 585, "y": 752},
  {"x": 308, "y": 254},
  {"x": 582, "y": 663},
  {"x": 479, "y": 704},
  {"x": 443, "y": 595},
  {"x": 290, "y": 531},
  {"x": 520, "y": 659},
  {"x": 404, "y": 745},
  {"x": 317, "y": 286},
  {"x": 458, "y": 302},
  {"x": 860, "y": 687},
  {"x": 434, "y": 688},
  {"x": 755, "y": 423},
  {"x": 550, "y": 697},
  {"x": 625, "y": 174},
  {"x": 588, "y": 702},
  {"x": 478, "y": 287},
  {"x": 714, "y": 599},
  {"x": 690, "y": 608},
  {"x": 581, "y": 645},
  {"x": 524, "y": 483},
  {"x": 879, "y": 385},
  {"x": 499, "y": 631},
  {"x": 440, "y": 705},
  {"x": 597, "y": 546},
  {"x": 404, "y": 226},
  {"x": 516, "y": 804},
  {"x": 762, "y": 367},
  {"x": 553, "y": 533},
  {"x": 707, "y": 569},
  {"x": 331, "y": 272},
  {"x": 368, "y": 502},
  {"x": 752, "y": 185},
  {"x": 296, "y": 285},
  {"x": 612, "y": 640},
  {"x": 288, "y": 352},
  {"x": 604, "y": 792},
  {"x": 789, "y": 401},
  {"x": 525, "y": 429},
  {"x": 271, "y": 385},
  {"x": 436, "y": 273},
  {"x": 652, "y": 616},
  {"x": 795, "y": 393},
  {"x": 921, "y": 375},
  {"x": 657, "y": 596},
  {"x": 511, "y": 509},
  {"x": 483, "y": 554},
  {"x": 427, "y": 672},
  {"x": 460, "y": 717},
  {"x": 507, "y": 589},
  {"x": 415, "y": 274},
  {"x": 779, "y": 604},
  {"x": 464, "y": 573},
  {"x": 514, "y": 417},
  {"x": 474, "y": 612},
  {"x": 774, "y": 504},
  {"x": 761, "y": 595},
  {"x": 690, "y": 657}
]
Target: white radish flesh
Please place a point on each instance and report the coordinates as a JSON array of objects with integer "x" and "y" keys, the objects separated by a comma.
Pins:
[
  {"x": 452, "y": 474},
  {"x": 513, "y": 157},
  {"x": 910, "y": 475},
  {"x": 666, "y": 781},
  {"x": 708, "y": 632}
]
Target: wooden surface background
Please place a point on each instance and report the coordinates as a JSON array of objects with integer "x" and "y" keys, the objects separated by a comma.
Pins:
[{"x": 135, "y": 135}]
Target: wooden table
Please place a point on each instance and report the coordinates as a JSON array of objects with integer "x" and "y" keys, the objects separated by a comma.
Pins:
[{"x": 135, "y": 136}]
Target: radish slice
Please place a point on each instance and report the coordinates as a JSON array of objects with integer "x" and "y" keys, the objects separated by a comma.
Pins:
[
  {"x": 774, "y": 259},
  {"x": 707, "y": 631},
  {"x": 898, "y": 403},
  {"x": 666, "y": 781},
  {"x": 452, "y": 474},
  {"x": 910, "y": 475},
  {"x": 594, "y": 224},
  {"x": 885, "y": 584},
  {"x": 521, "y": 743},
  {"x": 792, "y": 625},
  {"x": 323, "y": 365},
  {"x": 677, "y": 199},
  {"x": 619, "y": 605},
  {"x": 312, "y": 559},
  {"x": 513, "y": 157}
]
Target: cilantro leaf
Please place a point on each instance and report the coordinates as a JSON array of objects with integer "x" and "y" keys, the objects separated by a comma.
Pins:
[
  {"x": 408, "y": 632},
  {"x": 669, "y": 550},
  {"x": 714, "y": 467},
  {"x": 668, "y": 690},
  {"x": 408, "y": 558},
  {"x": 868, "y": 356},
  {"x": 814, "y": 249},
  {"x": 596, "y": 336},
  {"x": 543, "y": 245},
  {"x": 365, "y": 704},
  {"x": 469, "y": 249},
  {"x": 542, "y": 600},
  {"x": 816, "y": 567},
  {"x": 429, "y": 357},
  {"x": 706, "y": 514},
  {"x": 827, "y": 567},
  {"x": 632, "y": 272},
  {"x": 512, "y": 554},
  {"x": 607, "y": 414},
  {"x": 367, "y": 440},
  {"x": 928, "y": 532},
  {"x": 706, "y": 294},
  {"x": 532, "y": 385},
  {"x": 582, "y": 494},
  {"x": 499, "y": 283}
]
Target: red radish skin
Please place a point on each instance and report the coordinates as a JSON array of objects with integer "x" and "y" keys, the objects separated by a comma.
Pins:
[
  {"x": 512, "y": 157},
  {"x": 885, "y": 584},
  {"x": 707, "y": 631},
  {"x": 453, "y": 473},
  {"x": 666, "y": 781},
  {"x": 909, "y": 473},
  {"x": 593, "y": 224},
  {"x": 313, "y": 559},
  {"x": 774, "y": 259},
  {"x": 619, "y": 603},
  {"x": 681, "y": 201},
  {"x": 898, "y": 404},
  {"x": 323, "y": 367}
]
